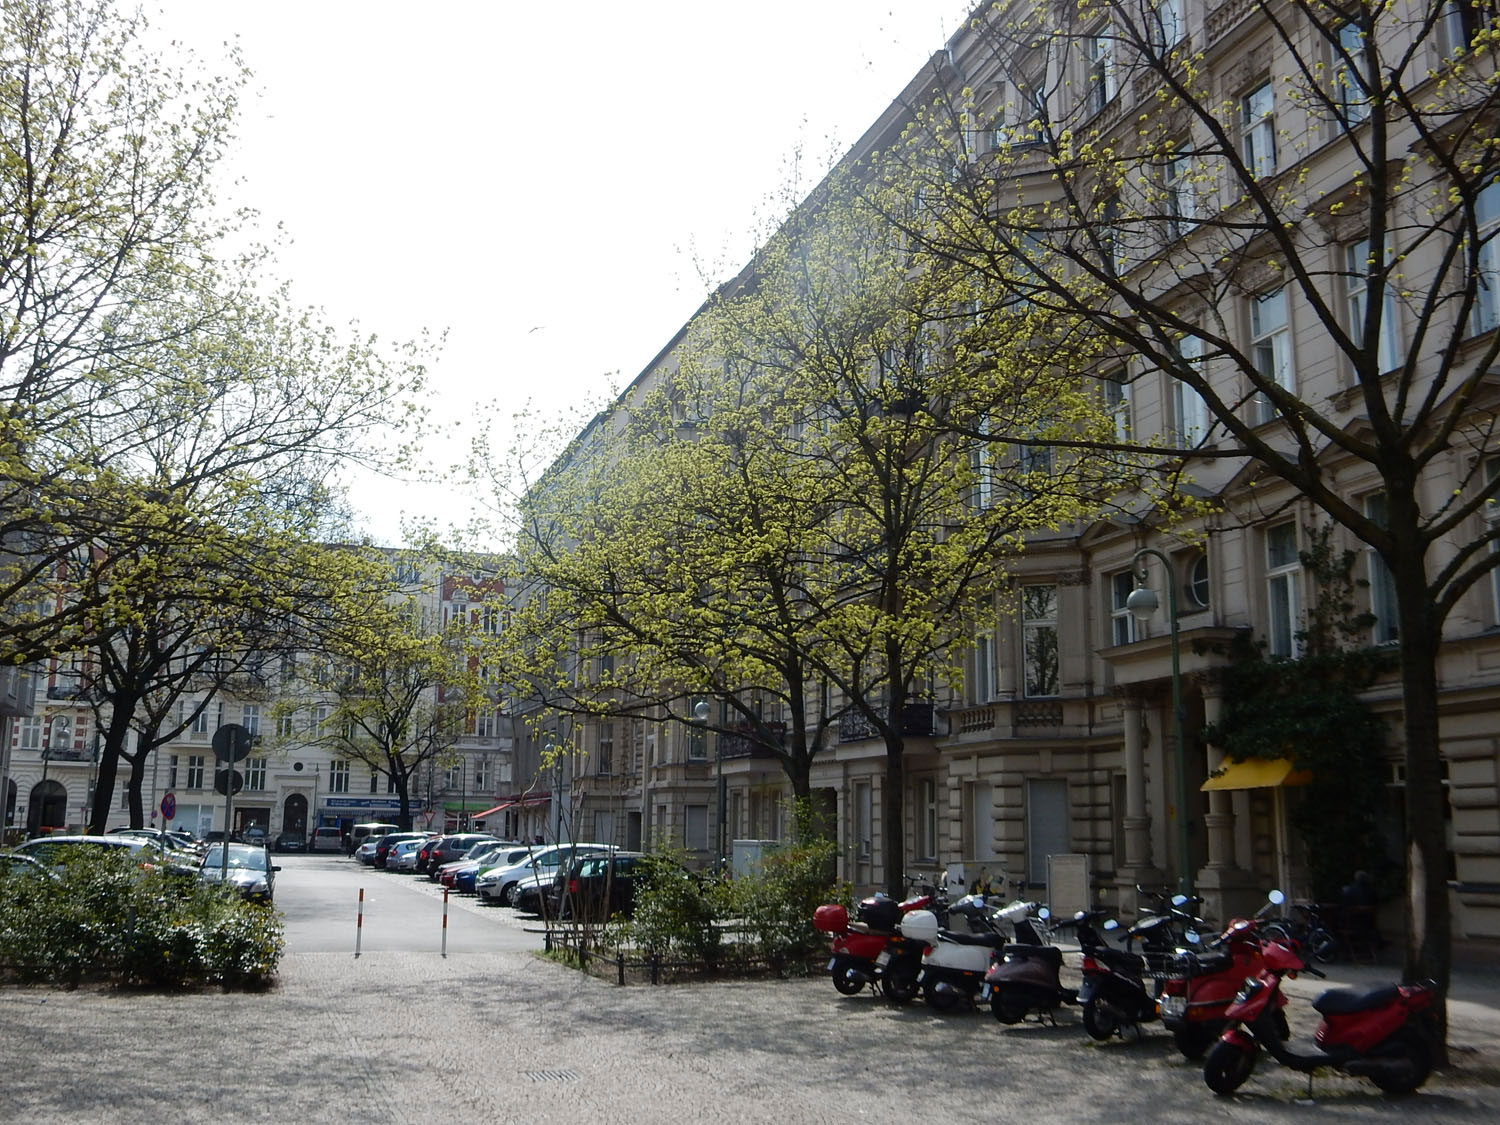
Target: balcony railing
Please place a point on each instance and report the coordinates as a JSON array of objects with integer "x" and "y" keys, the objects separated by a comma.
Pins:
[
  {"x": 918, "y": 719},
  {"x": 741, "y": 743}
]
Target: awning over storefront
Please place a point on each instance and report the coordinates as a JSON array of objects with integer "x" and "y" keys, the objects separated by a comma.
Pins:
[
  {"x": 1257, "y": 773},
  {"x": 470, "y": 807},
  {"x": 522, "y": 803}
]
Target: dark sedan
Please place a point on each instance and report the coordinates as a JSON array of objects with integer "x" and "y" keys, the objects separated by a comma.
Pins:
[{"x": 248, "y": 870}]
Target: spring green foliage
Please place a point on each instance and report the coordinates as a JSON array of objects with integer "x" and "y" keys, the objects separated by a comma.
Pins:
[
  {"x": 674, "y": 915},
  {"x": 105, "y": 919}
]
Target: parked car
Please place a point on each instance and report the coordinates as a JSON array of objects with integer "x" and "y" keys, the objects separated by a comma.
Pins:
[
  {"x": 498, "y": 885},
  {"x": 390, "y": 840},
  {"x": 23, "y": 866},
  {"x": 249, "y": 870},
  {"x": 403, "y": 857},
  {"x": 370, "y": 830},
  {"x": 445, "y": 849},
  {"x": 291, "y": 842},
  {"x": 603, "y": 885},
  {"x": 54, "y": 850},
  {"x": 463, "y": 873},
  {"x": 254, "y": 834},
  {"x": 328, "y": 838},
  {"x": 169, "y": 843},
  {"x": 365, "y": 853}
]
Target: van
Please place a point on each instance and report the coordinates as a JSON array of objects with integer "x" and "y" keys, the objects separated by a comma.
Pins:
[
  {"x": 329, "y": 838},
  {"x": 362, "y": 832}
]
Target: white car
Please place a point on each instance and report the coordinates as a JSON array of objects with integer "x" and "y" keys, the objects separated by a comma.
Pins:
[
  {"x": 499, "y": 884},
  {"x": 403, "y": 857}
]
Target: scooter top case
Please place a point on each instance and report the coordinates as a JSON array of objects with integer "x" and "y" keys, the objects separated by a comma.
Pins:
[
  {"x": 920, "y": 925},
  {"x": 831, "y": 918}
]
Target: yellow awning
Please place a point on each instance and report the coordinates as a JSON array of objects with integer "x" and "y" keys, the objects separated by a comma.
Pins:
[{"x": 1257, "y": 773}]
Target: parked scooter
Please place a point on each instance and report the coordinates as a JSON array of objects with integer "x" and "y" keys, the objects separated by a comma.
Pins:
[
  {"x": 1114, "y": 995},
  {"x": 956, "y": 960},
  {"x": 1385, "y": 1034},
  {"x": 1202, "y": 979},
  {"x": 1026, "y": 978},
  {"x": 872, "y": 952}
]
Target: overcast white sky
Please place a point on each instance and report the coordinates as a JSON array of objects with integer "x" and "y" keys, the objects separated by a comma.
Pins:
[{"x": 539, "y": 180}]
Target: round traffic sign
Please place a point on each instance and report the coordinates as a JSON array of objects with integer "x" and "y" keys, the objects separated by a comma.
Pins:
[
  {"x": 231, "y": 742},
  {"x": 168, "y": 807},
  {"x": 227, "y": 782}
]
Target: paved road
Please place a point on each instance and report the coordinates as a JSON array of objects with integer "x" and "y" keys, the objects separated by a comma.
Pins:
[{"x": 403, "y": 1035}]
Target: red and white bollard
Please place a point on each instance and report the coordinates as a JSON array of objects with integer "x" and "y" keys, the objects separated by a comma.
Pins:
[
  {"x": 445, "y": 921},
  {"x": 359, "y": 923}
]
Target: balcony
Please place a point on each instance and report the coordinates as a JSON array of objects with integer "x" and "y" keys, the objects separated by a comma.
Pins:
[
  {"x": 740, "y": 741},
  {"x": 918, "y": 720}
]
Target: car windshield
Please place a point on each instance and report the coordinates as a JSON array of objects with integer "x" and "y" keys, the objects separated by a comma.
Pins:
[{"x": 253, "y": 859}]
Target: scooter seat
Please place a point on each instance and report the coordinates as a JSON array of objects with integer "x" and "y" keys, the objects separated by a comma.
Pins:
[
  {"x": 958, "y": 937},
  {"x": 1344, "y": 1001},
  {"x": 1119, "y": 960},
  {"x": 1049, "y": 954}
]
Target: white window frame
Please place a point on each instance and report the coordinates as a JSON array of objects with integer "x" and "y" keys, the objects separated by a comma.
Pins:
[
  {"x": 454, "y": 778},
  {"x": 338, "y": 777},
  {"x": 481, "y": 773},
  {"x": 1118, "y": 394},
  {"x": 1386, "y": 628},
  {"x": 1102, "y": 86},
  {"x": 1492, "y": 520},
  {"x": 1170, "y": 25},
  {"x": 606, "y": 760},
  {"x": 927, "y": 819},
  {"x": 250, "y": 717},
  {"x": 1190, "y": 416},
  {"x": 1353, "y": 105},
  {"x": 1271, "y": 345},
  {"x": 195, "y": 771},
  {"x": 1258, "y": 130},
  {"x": 982, "y": 461},
  {"x": 255, "y": 774},
  {"x": 695, "y": 827},
  {"x": 31, "y": 732},
  {"x": 1283, "y": 590},
  {"x": 1122, "y": 623},
  {"x": 984, "y": 668},
  {"x": 1487, "y": 219},
  {"x": 1357, "y": 288},
  {"x": 1182, "y": 195},
  {"x": 864, "y": 820},
  {"x": 1039, "y": 622}
]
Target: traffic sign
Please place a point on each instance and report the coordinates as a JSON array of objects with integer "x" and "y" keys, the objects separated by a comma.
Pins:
[
  {"x": 231, "y": 742},
  {"x": 168, "y": 807},
  {"x": 228, "y": 781}
]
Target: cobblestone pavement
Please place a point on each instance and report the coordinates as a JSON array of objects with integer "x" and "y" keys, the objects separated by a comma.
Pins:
[{"x": 510, "y": 1037}]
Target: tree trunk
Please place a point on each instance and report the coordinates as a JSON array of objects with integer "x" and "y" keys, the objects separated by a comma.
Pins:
[
  {"x": 110, "y": 753},
  {"x": 1428, "y": 950},
  {"x": 893, "y": 828}
]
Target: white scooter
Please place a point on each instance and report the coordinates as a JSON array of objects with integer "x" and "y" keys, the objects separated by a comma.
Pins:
[{"x": 956, "y": 960}]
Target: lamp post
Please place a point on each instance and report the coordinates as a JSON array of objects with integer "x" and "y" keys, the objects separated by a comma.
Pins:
[
  {"x": 700, "y": 717},
  {"x": 1142, "y": 604}
]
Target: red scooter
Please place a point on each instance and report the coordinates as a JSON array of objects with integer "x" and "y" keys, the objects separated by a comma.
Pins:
[
  {"x": 1199, "y": 985},
  {"x": 1385, "y": 1034},
  {"x": 871, "y": 951}
]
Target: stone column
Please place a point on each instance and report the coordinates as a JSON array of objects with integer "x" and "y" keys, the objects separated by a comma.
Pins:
[
  {"x": 1135, "y": 867},
  {"x": 1227, "y": 888}
]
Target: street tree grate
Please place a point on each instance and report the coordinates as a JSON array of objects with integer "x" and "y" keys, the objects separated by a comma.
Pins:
[{"x": 550, "y": 1075}]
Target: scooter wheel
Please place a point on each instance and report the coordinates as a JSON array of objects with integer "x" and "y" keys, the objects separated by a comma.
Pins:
[
  {"x": 1227, "y": 1067},
  {"x": 900, "y": 988},
  {"x": 846, "y": 984},
  {"x": 1007, "y": 1009},
  {"x": 1411, "y": 1060},
  {"x": 941, "y": 999},
  {"x": 1099, "y": 1024},
  {"x": 1192, "y": 1042}
]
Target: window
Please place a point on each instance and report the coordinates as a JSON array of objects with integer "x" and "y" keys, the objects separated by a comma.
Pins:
[
  {"x": 200, "y": 722},
  {"x": 255, "y": 773},
  {"x": 1283, "y": 589},
  {"x": 31, "y": 732},
  {"x": 407, "y": 573},
  {"x": 1190, "y": 417},
  {"x": 1359, "y": 262},
  {"x": 1181, "y": 195},
  {"x": 455, "y": 778},
  {"x": 697, "y": 743},
  {"x": 250, "y": 717},
  {"x": 1487, "y": 295},
  {"x": 1117, "y": 403},
  {"x": 489, "y": 619},
  {"x": 695, "y": 827},
  {"x": 1039, "y": 640},
  {"x": 1101, "y": 70},
  {"x": 982, "y": 462},
  {"x": 1271, "y": 345},
  {"x": 1169, "y": 24},
  {"x": 1199, "y": 584},
  {"x": 1349, "y": 95},
  {"x": 195, "y": 771},
  {"x": 1258, "y": 130},
  {"x": 285, "y": 725},
  {"x": 1122, "y": 621},
  {"x": 864, "y": 820},
  {"x": 1386, "y": 627},
  {"x": 606, "y": 748},
  {"x": 172, "y": 771},
  {"x": 374, "y": 780},
  {"x": 984, "y": 668},
  {"x": 927, "y": 819},
  {"x": 485, "y": 723},
  {"x": 1491, "y": 522},
  {"x": 338, "y": 777},
  {"x": 320, "y": 720},
  {"x": 1462, "y": 20},
  {"x": 481, "y": 773}
]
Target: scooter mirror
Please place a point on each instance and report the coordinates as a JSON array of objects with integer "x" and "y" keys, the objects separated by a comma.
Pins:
[
  {"x": 1276, "y": 897},
  {"x": 1111, "y": 925},
  {"x": 1044, "y": 914},
  {"x": 1179, "y": 900},
  {"x": 1193, "y": 937}
]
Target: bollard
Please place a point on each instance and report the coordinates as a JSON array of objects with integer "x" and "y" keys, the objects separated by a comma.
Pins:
[
  {"x": 620, "y": 965},
  {"x": 359, "y": 922},
  {"x": 445, "y": 921}
]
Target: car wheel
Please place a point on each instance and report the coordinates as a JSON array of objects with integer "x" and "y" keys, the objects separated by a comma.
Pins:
[{"x": 508, "y": 894}]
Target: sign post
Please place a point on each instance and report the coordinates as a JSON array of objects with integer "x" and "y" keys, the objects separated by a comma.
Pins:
[
  {"x": 168, "y": 810},
  {"x": 231, "y": 743}
]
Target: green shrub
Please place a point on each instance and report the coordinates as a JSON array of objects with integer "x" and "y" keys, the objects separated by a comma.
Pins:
[
  {"x": 776, "y": 903},
  {"x": 106, "y": 918},
  {"x": 674, "y": 914}
]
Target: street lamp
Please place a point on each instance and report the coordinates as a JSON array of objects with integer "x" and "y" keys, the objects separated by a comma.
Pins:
[
  {"x": 1142, "y": 604},
  {"x": 700, "y": 717}
]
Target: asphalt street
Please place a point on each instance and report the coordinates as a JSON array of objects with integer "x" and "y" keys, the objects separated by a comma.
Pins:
[{"x": 403, "y": 1034}]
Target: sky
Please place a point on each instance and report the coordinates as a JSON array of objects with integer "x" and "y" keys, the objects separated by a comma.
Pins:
[{"x": 544, "y": 183}]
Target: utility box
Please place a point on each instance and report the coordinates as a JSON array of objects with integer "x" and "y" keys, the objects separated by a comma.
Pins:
[
  {"x": 745, "y": 855},
  {"x": 1068, "y": 885}
]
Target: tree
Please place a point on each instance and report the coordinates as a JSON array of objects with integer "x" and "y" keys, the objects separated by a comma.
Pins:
[{"x": 1353, "y": 180}]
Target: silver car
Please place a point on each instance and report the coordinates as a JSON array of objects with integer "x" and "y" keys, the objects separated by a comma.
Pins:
[
  {"x": 248, "y": 869},
  {"x": 499, "y": 884}
]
